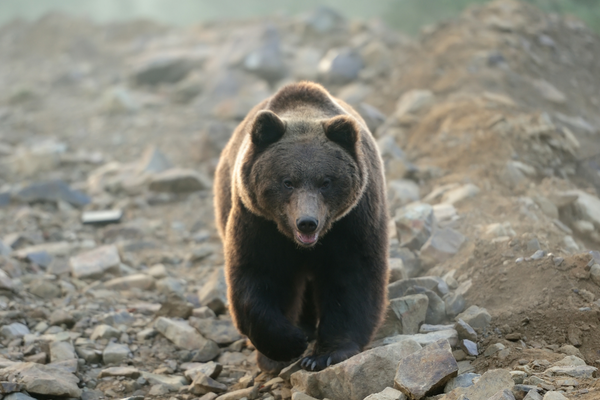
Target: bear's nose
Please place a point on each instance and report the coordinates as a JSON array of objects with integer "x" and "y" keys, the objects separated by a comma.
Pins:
[{"x": 307, "y": 224}]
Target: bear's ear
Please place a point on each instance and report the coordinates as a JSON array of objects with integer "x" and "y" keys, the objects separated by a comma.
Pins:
[
  {"x": 344, "y": 131},
  {"x": 267, "y": 128}
]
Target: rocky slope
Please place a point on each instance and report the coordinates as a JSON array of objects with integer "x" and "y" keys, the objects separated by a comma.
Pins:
[{"x": 111, "y": 280}]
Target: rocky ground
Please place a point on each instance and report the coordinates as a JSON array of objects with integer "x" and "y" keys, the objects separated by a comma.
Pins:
[{"x": 111, "y": 271}]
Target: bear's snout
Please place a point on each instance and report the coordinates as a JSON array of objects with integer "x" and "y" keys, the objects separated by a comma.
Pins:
[{"x": 307, "y": 224}]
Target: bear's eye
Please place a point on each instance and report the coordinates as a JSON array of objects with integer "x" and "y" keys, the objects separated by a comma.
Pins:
[
  {"x": 326, "y": 183},
  {"x": 288, "y": 184}
]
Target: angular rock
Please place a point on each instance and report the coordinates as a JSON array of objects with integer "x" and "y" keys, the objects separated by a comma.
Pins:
[
  {"x": 153, "y": 161},
  {"x": 397, "y": 270},
  {"x": 400, "y": 288},
  {"x": 469, "y": 347},
  {"x": 436, "y": 309},
  {"x": 61, "y": 317},
  {"x": 128, "y": 372},
  {"x": 464, "y": 381},
  {"x": 18, "y": 396},
  {"x": 580, "y": 371},
  {"x": 105, "y": 332},
  {"x": 490, "y": 383},
  {"x": 52, "y": 191},
  {"x": 15, "y": 330},
  {"x": 167, "y": 67},
  {"x": 170, "y": 285},
  {"x": 476, "y": 317},
  {"x": 301, "y": 396},
  {"x": 175, "y": 307},
  {"x": 45, "y": 289},
  {"x": 426, "y": 371},
  {"x": 413, "y": 101},
  {"x": 503, "y": 395},
  {"x": 186, "y": 337},
  {"x": 405, "y": 315},
  {"x": 442, "y": 245},
  {"x": 177, "y": 180},
  {"x": 455, "y": 304},
  {"x": 414, "y": 225},
  {"x": 387, "y": 394},
  {"x": 423, "y": 339},
  {"x": 172, "y": 383},
  {"x": 61, "y": 351},
  {"x": 401, "y": 192},
  {"x": 533, "y": 395},
  {"x": 219, "y": 331},
  {"x": 95, "y": 263},
  {"x": 354, "y": 379},
  {"x": 267, "y": 61},
  {"x": 426, "y": 328},
  {"x": 115, "y": 353},
  {"x": 341, "y": 65},
  {"x": 203, "y": 384},
  {"x": 214, "y": 292},
  {"x": 118, "y": 318},
  {"x": 493, "y": 349},
  {"x": 552, "y": 395},
  {"x": 42, "y": 379},
  {"x": 569, "y": 361},
  {"x": 139, "y": 281},
  {"x": 210, "y": 369}
]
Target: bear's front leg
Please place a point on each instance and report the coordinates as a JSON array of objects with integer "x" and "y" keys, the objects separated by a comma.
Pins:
[{"x": 350, "y": 297}]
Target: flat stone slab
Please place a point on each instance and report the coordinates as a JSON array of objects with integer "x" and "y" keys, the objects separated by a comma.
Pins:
[
  {"x": 186, "y": 337},
  {"x": 95, "y": 263},
  {"x": 42, "y": 379},
  {"x": 423, "y": 339},
  {"x": 426, "y": 371}
]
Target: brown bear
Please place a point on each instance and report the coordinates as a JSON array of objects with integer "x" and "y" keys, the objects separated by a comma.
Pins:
[{"x": 300, "y": 205}]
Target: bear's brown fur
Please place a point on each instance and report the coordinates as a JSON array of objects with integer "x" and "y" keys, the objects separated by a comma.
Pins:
[{"x": 301, "y": 208}]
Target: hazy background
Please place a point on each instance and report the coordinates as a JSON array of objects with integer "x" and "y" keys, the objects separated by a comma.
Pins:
[{"x": 406, "y": 15}]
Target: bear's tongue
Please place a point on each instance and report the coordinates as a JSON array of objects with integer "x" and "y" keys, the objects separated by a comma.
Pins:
[{"x": 307, "y": 238}]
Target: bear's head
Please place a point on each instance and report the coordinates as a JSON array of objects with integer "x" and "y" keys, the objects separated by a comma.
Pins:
[{"x": 302, "y": 173}]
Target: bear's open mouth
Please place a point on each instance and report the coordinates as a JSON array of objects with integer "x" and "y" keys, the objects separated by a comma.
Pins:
[{"x": 307, "y": 239}]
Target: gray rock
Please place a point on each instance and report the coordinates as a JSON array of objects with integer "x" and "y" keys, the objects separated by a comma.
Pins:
[
  {"x": 490, "y": 383},
  {"x": 172, "y": 383},
  {"x": 186, "y": 337},
  {"x": 15, "y": 330},
  {"x": 105, "y": 332},
  {"x": 219, "y": 331},
  {"x": 214, "y": 292},
  {"x": 588, "y": 206},
  {"x": 138, "y": 281},
  {"x": 301, "y": 396},
  {"x": 400, "y": 288},
  {"x": 101, "y": 217},
  {"x": 401, "y": 192},
  {"x": 426, "y": 328},
  {"x": 503, "y": 395},
  {"x": 325, "y": 21},
  {"x": 350, "y": 379},
  {"x": 42, "y": 379},
  {"x": 146, "y": 334},
  {"x": 203, "y": 384},
  {"x": 177, "y": 180},
  {"x": 476, "y": 317},
  {"x": 411, "y": 262},
  {"x": 595, "y": 274},
  {"x": 210, "y": 369},
  {"x": 404, "y": 316},
  {"x": 423, "y": 339},
  {"x": 18, "y": 396},
  {"x": 464, "y": 381},
  {"x": 546, "y": 206},
  {"x": 267, "y": 61},
  {"x": 436, "y": 310},
  {"x": 426, "y": 371},
  {"x": 41, "y": 258},
  {"x": 533, "y": 395},
  {"x": 341, "y": 65},
  {"x": 387, "y": 394},
  {"x": 414, "y": 225},
  {"x": 89, "y": 354},
  {"x": 469, "y": 347},
  {"x": 61, "y": 317},
  {"x": 164, "y": 68},
  {"x": 442, "y": 245},
  {"x": 128, "y": 372},
  {"x": 61, "y": 351},
  {"x": 493, "y": 349},
  {"x": 170, "y": 285},
  {"x": 45, "y": 289},
  {"x": 538, "y": 255},
  {"x": 95, "y": 263},
  {"x": 52, "y": 191},
  {"x": 115, "y": 353},
  {"x": 457, "y": 195},
  {"x": 455, "y": 304},
  {"x": 580, "y": 371},
  {"x": 552, "y": 395},
  {"x": 413, "y": 101},
  {"x": 397, "y": 270},
  {"x": 153, "y": 161},
  {"x": 175, "y": 307},
  {"x": 117, "y": 318}
]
